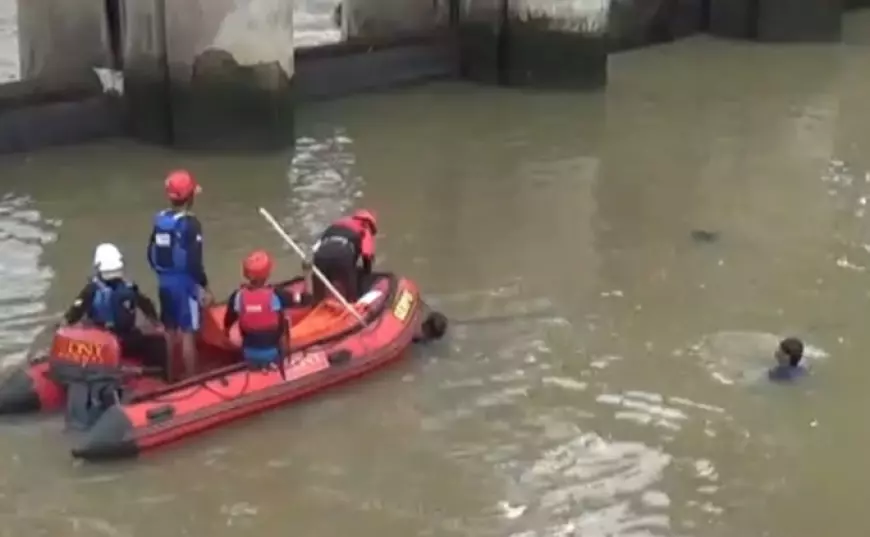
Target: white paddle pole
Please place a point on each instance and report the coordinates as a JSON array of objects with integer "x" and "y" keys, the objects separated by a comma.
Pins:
[{"x": 280, "y": 231}]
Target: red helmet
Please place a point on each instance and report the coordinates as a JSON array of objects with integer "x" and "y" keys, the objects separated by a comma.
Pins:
[
  {"x": 181, "y": 186},
  {"x": 367, "y": 217},
  {"x": 257, "y": 266}
]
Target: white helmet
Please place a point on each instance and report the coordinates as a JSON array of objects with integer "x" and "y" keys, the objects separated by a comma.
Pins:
[{"x": 108, "y": 261}]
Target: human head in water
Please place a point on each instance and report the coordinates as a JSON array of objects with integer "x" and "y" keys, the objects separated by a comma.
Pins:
[{"x": 790, "y": 352}]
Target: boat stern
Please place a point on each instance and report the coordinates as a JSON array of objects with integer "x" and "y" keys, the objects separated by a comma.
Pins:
[
  {"x": 19, "y": 393},
  {"x": 112, "y": 437}
]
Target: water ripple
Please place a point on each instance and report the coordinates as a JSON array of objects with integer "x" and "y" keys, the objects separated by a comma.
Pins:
[
  {"x": 560, "y": 476},
  {"x": 23, "y": 235},
  {"x": 322, "y": 182}
]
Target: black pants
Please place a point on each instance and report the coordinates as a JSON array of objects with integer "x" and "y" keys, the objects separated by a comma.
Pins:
[
  {"x": 149, "y": 348},
  {"x": 337, "y": 261}
]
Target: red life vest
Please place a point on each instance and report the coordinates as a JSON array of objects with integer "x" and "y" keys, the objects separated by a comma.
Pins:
[
  {"x": 350, "y": 223},
  {"x": 259, "y": 309}
]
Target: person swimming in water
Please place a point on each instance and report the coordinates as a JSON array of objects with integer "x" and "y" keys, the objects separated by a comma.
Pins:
[{"x": 788, "y": 357}]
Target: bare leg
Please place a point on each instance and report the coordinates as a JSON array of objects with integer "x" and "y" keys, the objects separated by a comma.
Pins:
[
  {"x": 171, "y": 358},
  {"x": 188, "y": 353}
]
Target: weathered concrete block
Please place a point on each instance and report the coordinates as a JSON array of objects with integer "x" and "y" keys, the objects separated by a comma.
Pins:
[
  {"x": 146, "y": 75},
  {"x": 734, "y": 18},
  {"x": 777, "y": 20},
  {"x": 392, "y": 19},
  {"x": 800, "y": 20},
  {"x": 535, "y": 43},
  {"x": 212, "y": 74},
  {"x": 61, "y": 42},
  {"x": 482, "y": 38},
  {"x": 635, "y": 23}
]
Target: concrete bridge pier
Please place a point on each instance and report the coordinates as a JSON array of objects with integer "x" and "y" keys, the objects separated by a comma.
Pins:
[
  {"x": 61, "y": 42},
  {"x": 534, "y": 43},
  {"x": 377, "y": 20},
  {"x": 778, "y": 20},
  {"x": 210, "y": 74}
]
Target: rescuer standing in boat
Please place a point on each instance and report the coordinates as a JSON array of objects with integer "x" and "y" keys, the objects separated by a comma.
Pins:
[
  {"x": 109, "y": 301},
  {"x": 341, "y": 247},
  {"x": 175, "y": 254},
  {"x": 258, "y": 307}
]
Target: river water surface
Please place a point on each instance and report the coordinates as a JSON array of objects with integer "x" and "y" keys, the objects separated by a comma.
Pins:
[{"x": 622, "y": 399}]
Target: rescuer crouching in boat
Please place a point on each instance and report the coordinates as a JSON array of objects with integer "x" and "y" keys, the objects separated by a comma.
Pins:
[
  {"x": 108, "y": 302},
  {"x": 342, "y": 246},
  {"x": 258, "y": 307}
]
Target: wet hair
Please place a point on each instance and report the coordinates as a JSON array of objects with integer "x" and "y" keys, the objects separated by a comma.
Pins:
[
  {"x": 180, "y": 204},
  {"x": 793, "y": 348}
]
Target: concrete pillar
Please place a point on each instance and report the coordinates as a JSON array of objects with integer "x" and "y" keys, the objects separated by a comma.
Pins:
[
  {"x": 61, "y": 42},
  {"x": 636, "y": 23},
  {"x": 535, "y": 43},
  {"x": 777, "y": 20},
  {"x": 391, "y": 19},
  {"x": 211, "y": 74},
  {"x": 146, "y": 82}
]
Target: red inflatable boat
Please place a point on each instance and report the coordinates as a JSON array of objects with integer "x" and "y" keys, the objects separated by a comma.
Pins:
[{"x": 329, "y": 346}]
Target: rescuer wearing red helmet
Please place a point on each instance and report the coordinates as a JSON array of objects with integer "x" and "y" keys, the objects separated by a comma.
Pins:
[
  {"x": 258, "y": 307},
  {"x": 341, "y": 247},
  {"x": 175, "y": 254}
]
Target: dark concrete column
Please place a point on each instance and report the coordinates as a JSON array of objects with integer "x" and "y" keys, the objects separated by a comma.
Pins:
[
  {"x": 777, "y": 20},
  {"x": 482, "y": 36},
  {"x": 533, "y": 43},
  {"x": 146, "y": 82},
  {"x": 60, "y": 43},
  {"x": 642, "y": 22},
  {"x": 800, "y": 20},
  {"x": 212, "y": 74}
]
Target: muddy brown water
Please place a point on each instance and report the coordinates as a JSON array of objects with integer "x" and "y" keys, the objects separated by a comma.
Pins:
[{"x": 626, "y": 402}]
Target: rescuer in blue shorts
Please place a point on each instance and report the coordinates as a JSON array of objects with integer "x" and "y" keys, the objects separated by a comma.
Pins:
[{"x": 175, "y": 255}]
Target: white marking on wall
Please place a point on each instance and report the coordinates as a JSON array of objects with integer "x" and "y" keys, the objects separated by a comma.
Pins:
[
  {"x": 259, "y": 31},
  {"x": 585, "y": 16}
]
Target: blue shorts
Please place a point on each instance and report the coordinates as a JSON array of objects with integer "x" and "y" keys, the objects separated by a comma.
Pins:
[
  {"x": 179, "y": 306},
  {"x": 261, "y": 356}
]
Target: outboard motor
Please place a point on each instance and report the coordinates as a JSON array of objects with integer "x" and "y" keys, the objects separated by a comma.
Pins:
[{"x": 87, "y": 363}]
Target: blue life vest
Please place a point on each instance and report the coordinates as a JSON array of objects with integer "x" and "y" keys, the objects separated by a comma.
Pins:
[
  {"x": 260, "y": 324},
  {"x": 113, "y": 307},
  {"x": 168, "y": 251}
]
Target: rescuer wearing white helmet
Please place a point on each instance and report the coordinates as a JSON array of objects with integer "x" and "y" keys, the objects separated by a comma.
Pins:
[{"x": 109, "y": 301}]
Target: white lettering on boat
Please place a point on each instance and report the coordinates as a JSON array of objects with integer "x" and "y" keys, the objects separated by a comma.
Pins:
[
  {"x": 369, "y": 298},
  {"x": 403, "y": 305},
  {"x": 307, "y": 359}
]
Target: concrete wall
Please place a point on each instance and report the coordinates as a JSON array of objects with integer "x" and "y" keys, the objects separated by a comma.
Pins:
[
  {"x": 220, "y": 74},
  {"x": 388, "y": 19},
  {"x": 535, "y": 43},
  {"x": 211, "y": 74},
  {"x": 777, "y": 20},
  {"x": 634, "y": 24},
  {"x": 60, "y": 42}
]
